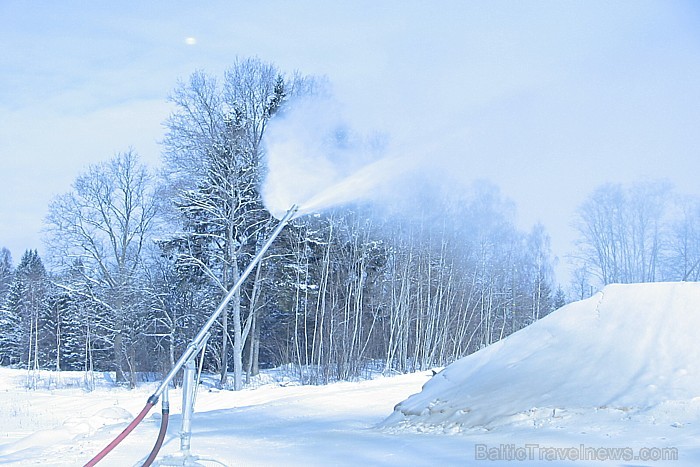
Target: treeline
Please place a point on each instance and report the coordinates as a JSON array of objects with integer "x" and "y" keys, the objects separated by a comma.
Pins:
[
  {"x": 643, "y": 232},
  {"x": 140, "y": 260}
]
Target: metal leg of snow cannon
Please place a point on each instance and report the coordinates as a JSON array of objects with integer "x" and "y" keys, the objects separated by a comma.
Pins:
[
  {"x": 185, "y": 458},
  {"x": 188, "y": 387},
  {"x": 190, "y": 382}
]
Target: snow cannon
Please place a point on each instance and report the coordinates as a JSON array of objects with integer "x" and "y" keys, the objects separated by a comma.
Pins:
[{"x": 186, "y": 361}]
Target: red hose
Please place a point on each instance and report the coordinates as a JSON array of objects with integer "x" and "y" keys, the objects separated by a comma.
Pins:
[{"x": 149, "y": 405}]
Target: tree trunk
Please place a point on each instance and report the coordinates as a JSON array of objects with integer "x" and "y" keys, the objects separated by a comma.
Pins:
[
  {"x": 119, "y": 357},
  {"x": 224, "y": 349},
  {"x": 58, "y": 347},
  {"x": 237, "y": 334}
]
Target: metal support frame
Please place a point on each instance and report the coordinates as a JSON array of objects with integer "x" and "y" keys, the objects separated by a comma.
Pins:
[{"x": 189, "y": 385}]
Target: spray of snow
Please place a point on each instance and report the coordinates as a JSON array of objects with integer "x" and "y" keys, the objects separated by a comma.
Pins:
[
  {"x": 371, "y": 182},
  {"x": 316, "y": 160}
]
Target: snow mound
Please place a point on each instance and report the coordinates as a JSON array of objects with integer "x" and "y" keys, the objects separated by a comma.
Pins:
[
  {"x": 629, "y": 348},
  {"x": 104, "y": 417}
]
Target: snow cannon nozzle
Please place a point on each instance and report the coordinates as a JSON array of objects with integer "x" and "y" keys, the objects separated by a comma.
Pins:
[{"x": 291, "y": 213}]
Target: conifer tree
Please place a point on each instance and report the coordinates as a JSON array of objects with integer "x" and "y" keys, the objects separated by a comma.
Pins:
[
  {"x": 6, "y": 272},
  {"x": 25, "y": 322}
]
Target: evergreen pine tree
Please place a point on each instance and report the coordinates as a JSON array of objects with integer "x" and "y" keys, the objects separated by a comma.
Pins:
[
  {"x": 6, "y": 274},
  {"x": 25, "y": 334}
]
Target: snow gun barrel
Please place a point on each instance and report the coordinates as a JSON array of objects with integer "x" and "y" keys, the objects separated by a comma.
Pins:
[{"x": 196, "y": 344}]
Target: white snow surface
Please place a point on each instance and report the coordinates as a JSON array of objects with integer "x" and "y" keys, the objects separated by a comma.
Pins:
[{"x": 611, "y": 380}]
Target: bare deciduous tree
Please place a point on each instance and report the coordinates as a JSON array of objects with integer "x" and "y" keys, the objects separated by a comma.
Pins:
[
  {"x": 622, "y": 232},
  {"x": 102, "y": 224},
  {"x": 684, "y": 242}
]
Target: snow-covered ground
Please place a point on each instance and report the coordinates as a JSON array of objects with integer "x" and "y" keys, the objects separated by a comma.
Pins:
[{"x": 612, "y": 380}]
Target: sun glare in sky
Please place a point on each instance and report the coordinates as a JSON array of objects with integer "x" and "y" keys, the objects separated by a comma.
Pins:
[{"x": 191, "y": 40}]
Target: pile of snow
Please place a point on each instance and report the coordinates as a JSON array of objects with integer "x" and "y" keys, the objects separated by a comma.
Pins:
[{"x": 633, "y": 349}]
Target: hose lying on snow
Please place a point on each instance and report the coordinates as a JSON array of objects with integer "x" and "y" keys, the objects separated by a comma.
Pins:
[
  {"x": 149, "y": 405},
  {"x": 161, "y": 434}
]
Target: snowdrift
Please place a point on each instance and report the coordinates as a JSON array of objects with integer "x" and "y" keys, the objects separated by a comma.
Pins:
[{"x": 630, "y": 347}]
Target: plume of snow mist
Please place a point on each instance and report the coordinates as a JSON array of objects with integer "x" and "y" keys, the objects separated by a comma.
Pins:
[
  {"x": 369, "y": 183},
  {"x": 315, "y": 160}
]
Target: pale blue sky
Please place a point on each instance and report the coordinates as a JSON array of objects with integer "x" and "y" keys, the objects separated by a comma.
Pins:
[{"x": 547, "y": 99}]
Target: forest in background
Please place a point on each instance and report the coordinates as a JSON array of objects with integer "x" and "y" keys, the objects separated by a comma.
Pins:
[{"x": 137, "y": 260}]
